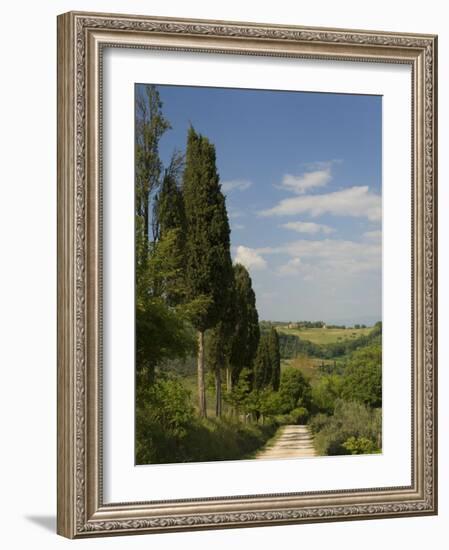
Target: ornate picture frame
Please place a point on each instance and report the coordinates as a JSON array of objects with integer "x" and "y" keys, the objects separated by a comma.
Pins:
[{"x": 82, "y": 39}]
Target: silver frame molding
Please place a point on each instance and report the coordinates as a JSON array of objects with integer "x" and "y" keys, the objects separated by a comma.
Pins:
[{"x": 81, "y": 39}]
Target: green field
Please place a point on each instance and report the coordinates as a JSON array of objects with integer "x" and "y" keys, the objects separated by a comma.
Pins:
[{"x": 325, "y": 335}]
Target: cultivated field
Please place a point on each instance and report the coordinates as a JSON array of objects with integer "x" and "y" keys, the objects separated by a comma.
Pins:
[{"x": 325, "y": 335}]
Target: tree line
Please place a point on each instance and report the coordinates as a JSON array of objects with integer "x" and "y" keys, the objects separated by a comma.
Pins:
[{"x": 190, "y": 298}]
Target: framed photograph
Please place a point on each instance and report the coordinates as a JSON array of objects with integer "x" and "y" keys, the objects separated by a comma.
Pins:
[{"x": 247, "y": 274}]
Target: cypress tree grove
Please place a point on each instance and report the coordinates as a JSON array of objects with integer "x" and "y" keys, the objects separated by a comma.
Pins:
[
  {"x": 246, "y": 333},
  {"x": 208, "y": 258}
]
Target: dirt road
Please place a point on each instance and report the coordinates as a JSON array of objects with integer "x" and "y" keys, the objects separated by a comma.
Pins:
[{"x": 293, "y": 441}]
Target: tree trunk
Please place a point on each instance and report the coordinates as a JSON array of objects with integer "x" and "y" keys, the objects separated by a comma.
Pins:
[
  {"x": 230, "y": 409},
  {"x": 228, "y": 379},
  {"x": 218, "y": 391},
  {"x": 201, "y": 378},
  {"x": 146, "y": 219}
]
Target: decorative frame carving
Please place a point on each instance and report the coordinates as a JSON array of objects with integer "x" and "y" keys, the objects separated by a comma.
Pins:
[{"x": 81, "y": 37}]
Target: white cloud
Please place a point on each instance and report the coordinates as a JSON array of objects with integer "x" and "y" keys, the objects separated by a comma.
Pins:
[
  {"x": 309, "y": 180},
  {"x": 250, "y": 258},
  {"x": 238, "y": 226},
  {"x": 235, "y": 185},
  {"x": 373, "y": 235},
  {"x": 308, "y": 227},
  {"x": 334, "y": 257},
  {"x": 292, "y": 267},
  {"x": 353, "y": 201},
  {"x": 338, "y": 255}
]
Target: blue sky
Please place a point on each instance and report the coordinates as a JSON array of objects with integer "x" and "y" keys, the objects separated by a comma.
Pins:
[{"x": 301, "y": 173}]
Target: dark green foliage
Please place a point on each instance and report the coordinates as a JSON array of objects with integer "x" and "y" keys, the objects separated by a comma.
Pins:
[
  {"x": 290, "y": 405},
  {"x": 358, "y": 379},
  {"x": 169, "y": 211},
  {"x": 217, "y": 350},
  {"x": 161, "y": 332},
  {"x": 347, "y": 429},
  {"x": 362, "y": 380},
  {"x": 294, "y": 391},
  {"x": 218, "y": 343},
  {"x": 275, "y": 359},
  {"x": 208, "y": 260},
  {"x": 160, "y": 335},
  {"x": 300, "y": 415},
  {"x": 262, "y": 364},
  {"x": 267, "y": 363},
  {"x": 208, "y": 272},
  {"x": 325, "y": 392},
  {"x": 163, "y": 417},
  {"x": 246, "y": 335},
  {"x": 239, "y": 395}
]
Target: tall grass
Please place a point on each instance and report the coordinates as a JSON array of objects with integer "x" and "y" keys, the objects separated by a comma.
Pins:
[{"x": 204, "y": 440}]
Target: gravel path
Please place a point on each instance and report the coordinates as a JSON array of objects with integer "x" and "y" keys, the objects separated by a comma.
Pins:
[{"x": 293, "y": 441}]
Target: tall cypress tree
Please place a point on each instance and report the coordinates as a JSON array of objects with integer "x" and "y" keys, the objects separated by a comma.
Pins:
[
  {"x": 208, "y": 259},
  {"x": 267, "y": 363},
  {"x": 218, "y": 344},
  {"x": 275, "y": 359},
  {"x": 262, "y": 364},
  {"x": 246, "y": 333}
]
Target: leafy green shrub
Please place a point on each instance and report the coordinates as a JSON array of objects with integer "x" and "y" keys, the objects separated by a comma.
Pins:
[
  {"x": 164, "y": 415},
  {"x": 350, "y": 420},
  {"x": 362, "y": 380},
  {"x": 318, "y": 422},
  {"x": 325, "y": 392},
  {"x": 294, "y": 390},
  {"x": 359, "y": 446},
  {"x": 300, "y": 415}
]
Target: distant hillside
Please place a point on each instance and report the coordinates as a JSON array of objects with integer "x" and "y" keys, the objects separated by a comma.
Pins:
[{"x": 292, "y": 345}]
